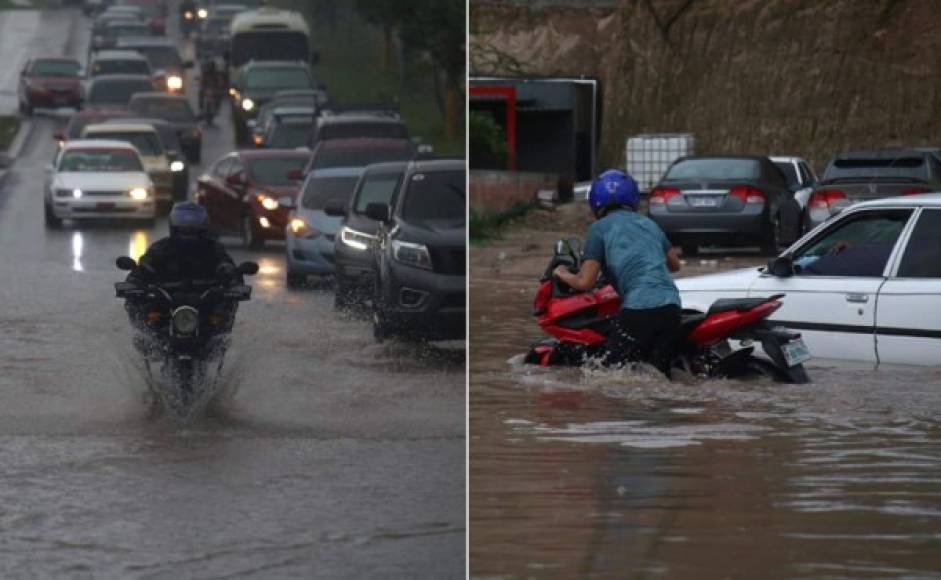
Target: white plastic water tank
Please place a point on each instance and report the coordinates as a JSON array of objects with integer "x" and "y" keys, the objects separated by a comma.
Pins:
[{"x": 649, "y": 156}]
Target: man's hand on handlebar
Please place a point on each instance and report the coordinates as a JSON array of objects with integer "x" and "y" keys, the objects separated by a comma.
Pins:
[{"x": 582, "y": 280}]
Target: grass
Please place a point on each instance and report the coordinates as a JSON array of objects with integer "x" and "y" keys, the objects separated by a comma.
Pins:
[
  {"x": 8, "y": 127},
  {"x": 486, "y": 226},
  {"x": 351, "y": 65}
]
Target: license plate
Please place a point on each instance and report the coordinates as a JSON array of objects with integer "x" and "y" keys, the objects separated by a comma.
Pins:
[
  {"x": 795, "y": 352},
  {"x": 104, "y": 205},
  {"x": 704, "y": 201}
]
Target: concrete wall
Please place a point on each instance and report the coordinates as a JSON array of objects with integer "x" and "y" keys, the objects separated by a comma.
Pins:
[
  {"x": 805, "y": 77},
  {"x": 497, "y": 191}
]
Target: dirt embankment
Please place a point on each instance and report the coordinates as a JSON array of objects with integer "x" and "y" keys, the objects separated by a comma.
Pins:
[{"x": 806, "y": 77}]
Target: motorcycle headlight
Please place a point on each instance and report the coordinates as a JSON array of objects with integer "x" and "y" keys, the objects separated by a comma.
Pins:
[
  {"x": 202, "y": 13},
  {"x": 185, "y": 320},
  {"x": 354, "y": 239},
  {"x": 188, "y": 15},
  {"x": 177, "y": 166},
  {"x": 248, "y": 105},
  {"x": 138, "y": 193},
  {"x": 174, "y": 82},
  {"x": 268, "y": 203},
  {"x": 412, "y": 254}
]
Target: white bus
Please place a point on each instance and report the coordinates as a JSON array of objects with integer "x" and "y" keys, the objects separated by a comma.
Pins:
[{"x": 268, "y": 34}]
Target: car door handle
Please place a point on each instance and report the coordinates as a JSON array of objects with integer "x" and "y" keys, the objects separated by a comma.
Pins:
[{"x": 860, "y": 298}]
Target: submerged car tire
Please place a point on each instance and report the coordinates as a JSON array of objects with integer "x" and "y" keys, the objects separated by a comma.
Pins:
[
  {"x": 52, "y": 222},
  {"x": 249, "y": 238},
  {"x": 771, "y": 243}
]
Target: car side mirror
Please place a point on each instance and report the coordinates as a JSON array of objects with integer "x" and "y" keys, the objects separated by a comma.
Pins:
[
  {"x": 286, "y": 201},
  {"x": 296, "y": 175},
  {"x": 59, "y": 137},
  {"x": 782, "y": 267},
  {"x": 378, "y": 212},
  {"x": 336, "y": 208},
  {"x": 125, "y": 263},
  {"x": 248, "y": 268}
]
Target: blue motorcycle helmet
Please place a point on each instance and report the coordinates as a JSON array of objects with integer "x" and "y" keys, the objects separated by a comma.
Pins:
[
  {"x": 189, "y": 220},
  {"x": 613, "y": 188}
]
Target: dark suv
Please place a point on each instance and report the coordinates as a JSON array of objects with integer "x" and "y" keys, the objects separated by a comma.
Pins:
[
  {"x": 259, "y": 82},
  {"x": 420, "y": 261},
  {"x": 352, "y": 251}
]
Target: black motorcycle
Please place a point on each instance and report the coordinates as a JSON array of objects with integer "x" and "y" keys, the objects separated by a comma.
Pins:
[{"x": 185, "y": 326}]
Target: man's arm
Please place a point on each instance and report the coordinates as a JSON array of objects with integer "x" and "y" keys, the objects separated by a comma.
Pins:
[
  {"x": 584, "y": 279},
  {"x": 673, "y": 260}
]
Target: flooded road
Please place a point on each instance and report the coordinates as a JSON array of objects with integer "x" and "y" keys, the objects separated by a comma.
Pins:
[
  {"x": 328, "y": 455},
  {"x": 596, "y": 473}
]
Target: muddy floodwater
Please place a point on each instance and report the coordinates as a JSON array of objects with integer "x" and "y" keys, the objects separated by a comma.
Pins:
[{"x": 607, "y": 474}]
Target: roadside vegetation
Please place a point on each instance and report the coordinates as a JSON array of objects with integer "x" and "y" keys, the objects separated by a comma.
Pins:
[
  {"x": 8, "y": 127},
  {"x": 392, "y": 52}
]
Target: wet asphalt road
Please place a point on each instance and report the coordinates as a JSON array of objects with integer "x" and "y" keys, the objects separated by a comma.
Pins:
[{"x": 328, "y": 456}]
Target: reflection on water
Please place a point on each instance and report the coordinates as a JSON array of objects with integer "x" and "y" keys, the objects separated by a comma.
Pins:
[
  {"x": 78, "y": 246},
  {"x": 138, "y": 244},
  {"x": 609, "y": 474}
]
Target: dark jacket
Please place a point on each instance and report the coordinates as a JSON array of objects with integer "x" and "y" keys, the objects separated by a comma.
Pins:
[{"x": 174, "y": 259}]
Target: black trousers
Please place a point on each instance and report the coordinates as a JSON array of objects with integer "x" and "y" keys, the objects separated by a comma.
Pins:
[{"x": 646, "y": 335}]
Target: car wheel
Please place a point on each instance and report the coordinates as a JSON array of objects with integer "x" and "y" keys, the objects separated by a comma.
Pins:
[
  {"x": 294, "y": 280},
  {"x": 52, "y": 222},
  {"x": 771, "y": 243},
  {"x": 690, "y": 250},
  {"x": 249, "y": 237}
]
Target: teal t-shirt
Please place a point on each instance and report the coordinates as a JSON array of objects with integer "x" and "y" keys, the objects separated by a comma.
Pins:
[{"x": 632, "y": 251}]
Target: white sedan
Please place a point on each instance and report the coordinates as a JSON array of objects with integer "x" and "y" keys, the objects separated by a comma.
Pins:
[
  {"x": 865, "y": 285},
  {"x": 98, "y": 179}
]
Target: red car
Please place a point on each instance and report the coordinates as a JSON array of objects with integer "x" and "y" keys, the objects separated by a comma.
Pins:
[
  {"x": 251, "y": 192},
  {"x": 49, "y": 83},
  {"x": 359, "y": 152}
]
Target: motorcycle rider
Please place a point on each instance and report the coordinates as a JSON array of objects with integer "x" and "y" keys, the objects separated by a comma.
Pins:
[
  {"x": 637, "y": 258},
  {"x": 211, "y": 85},
  {"x": 190, "y": 252}
]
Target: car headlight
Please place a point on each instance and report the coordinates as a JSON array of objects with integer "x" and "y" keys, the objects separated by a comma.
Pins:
[
  {"x": 139, "y": 193},
  {"x": 185, "y": 320},
  {"x": 174, "y": 82},
  {"x": 77, "y": 193},
  {"x": 203, "y": 13},
  {"x": 177, "y": 166},
  {"x": 354, "y": 239},
  {"x": 248, "y": 104},
  {"x": 300, "y": 228},
  {"x": 266, "y": 202},
  {"x": 412, "y": 254}
]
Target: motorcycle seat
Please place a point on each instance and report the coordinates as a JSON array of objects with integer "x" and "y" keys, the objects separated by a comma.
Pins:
[
  {"x": 689, "y": 321},
  {"x": 735, "y": 304}
]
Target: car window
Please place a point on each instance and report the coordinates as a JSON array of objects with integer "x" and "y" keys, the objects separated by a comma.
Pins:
[
  {"x": 905, "y": 166},
  {"x": 277, "y": 78},
  {"x": 176, "y": 110},
  {"x": 236, "y": 167},
  {"x": 790, "y": 173},
  {"x": 856, "y": 246},
  {"x": 922, "y": 257},
  {"x": 376, "y": 189},
  {"x": 274, "y": 171},
  {"x": 435, "y": 196},
  {"x": 99, "y": 160},
  {"x": 118, "y": 92},
  {"x": 161, "y": 57},
  {"x": 113, "y": 67},
  {"x": 54, "y": 68},
  {"x": 360, "y": 156},
  {"x": 147, "y": 143},
  {"x": 362, "y": 130},
  {"x": 222, "y": 168},
  {"x": 289, "y": 136},
  {"x": 720, "y": 169},
  {"x": 320, "y": 190},
  {"x": 807, "y": 175}
]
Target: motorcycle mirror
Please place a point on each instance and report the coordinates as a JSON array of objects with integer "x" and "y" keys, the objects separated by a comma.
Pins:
[
  {"x": 575, "y": 248},
  {"x": 125, "y": 263},
  {"x": 561, "y": 248},
  {"x": 248, "y": 268},
  {"x": 782, "y": 267}
]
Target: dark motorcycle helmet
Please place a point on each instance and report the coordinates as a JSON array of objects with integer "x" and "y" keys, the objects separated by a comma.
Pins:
[{"x": 188, "y": 220}]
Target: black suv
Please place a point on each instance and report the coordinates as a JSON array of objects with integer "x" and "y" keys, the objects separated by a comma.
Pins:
[
  {"x": 352, "y": 251},
  {"x": 258, "y": 83},
  {"x": 420, "y": 255}
]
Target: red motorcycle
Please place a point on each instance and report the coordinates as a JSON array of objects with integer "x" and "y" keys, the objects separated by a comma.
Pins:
[{"x": 580, "y": 322}]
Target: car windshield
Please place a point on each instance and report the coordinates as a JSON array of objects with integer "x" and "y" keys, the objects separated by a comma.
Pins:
[
  {"x": 906, "y": 167},
  {"x": 319, "y": 191},
  {"x": 117, "y": 67},
  {"x": 716, "y": 169},
  {"x": 289, "y": 136},
  {"x": 269, "y": 45},
  {"x": 100, "y": 160},
  {"x": 176, "y": 110},
  {"x": 217, "y": 26},
  {"x": 117, "y": 92},
  {"x": 363, "y": 130},
  {"x": 147, "y": 143},
  {"x": 55, "y": 68},
  {"x": 435, "y": 196},
  {"x": 376, "y": 189},
  {"x": 120, "y": 29},
  {"x": 790, "y": 173},
  {"x": 360, "y": 156},
  {"x": 277, "y": 78},
  {"x": 161, "y": 57},
  {"x": 275, "y": 171}
]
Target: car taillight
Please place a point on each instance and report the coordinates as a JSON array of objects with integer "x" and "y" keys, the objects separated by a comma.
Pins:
[
  {"x": 916, "y": 191},
  {"x": 663, "y": 194},
  {"x": 748, "y": 194},
  {"x": 826, "y": 198}
]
